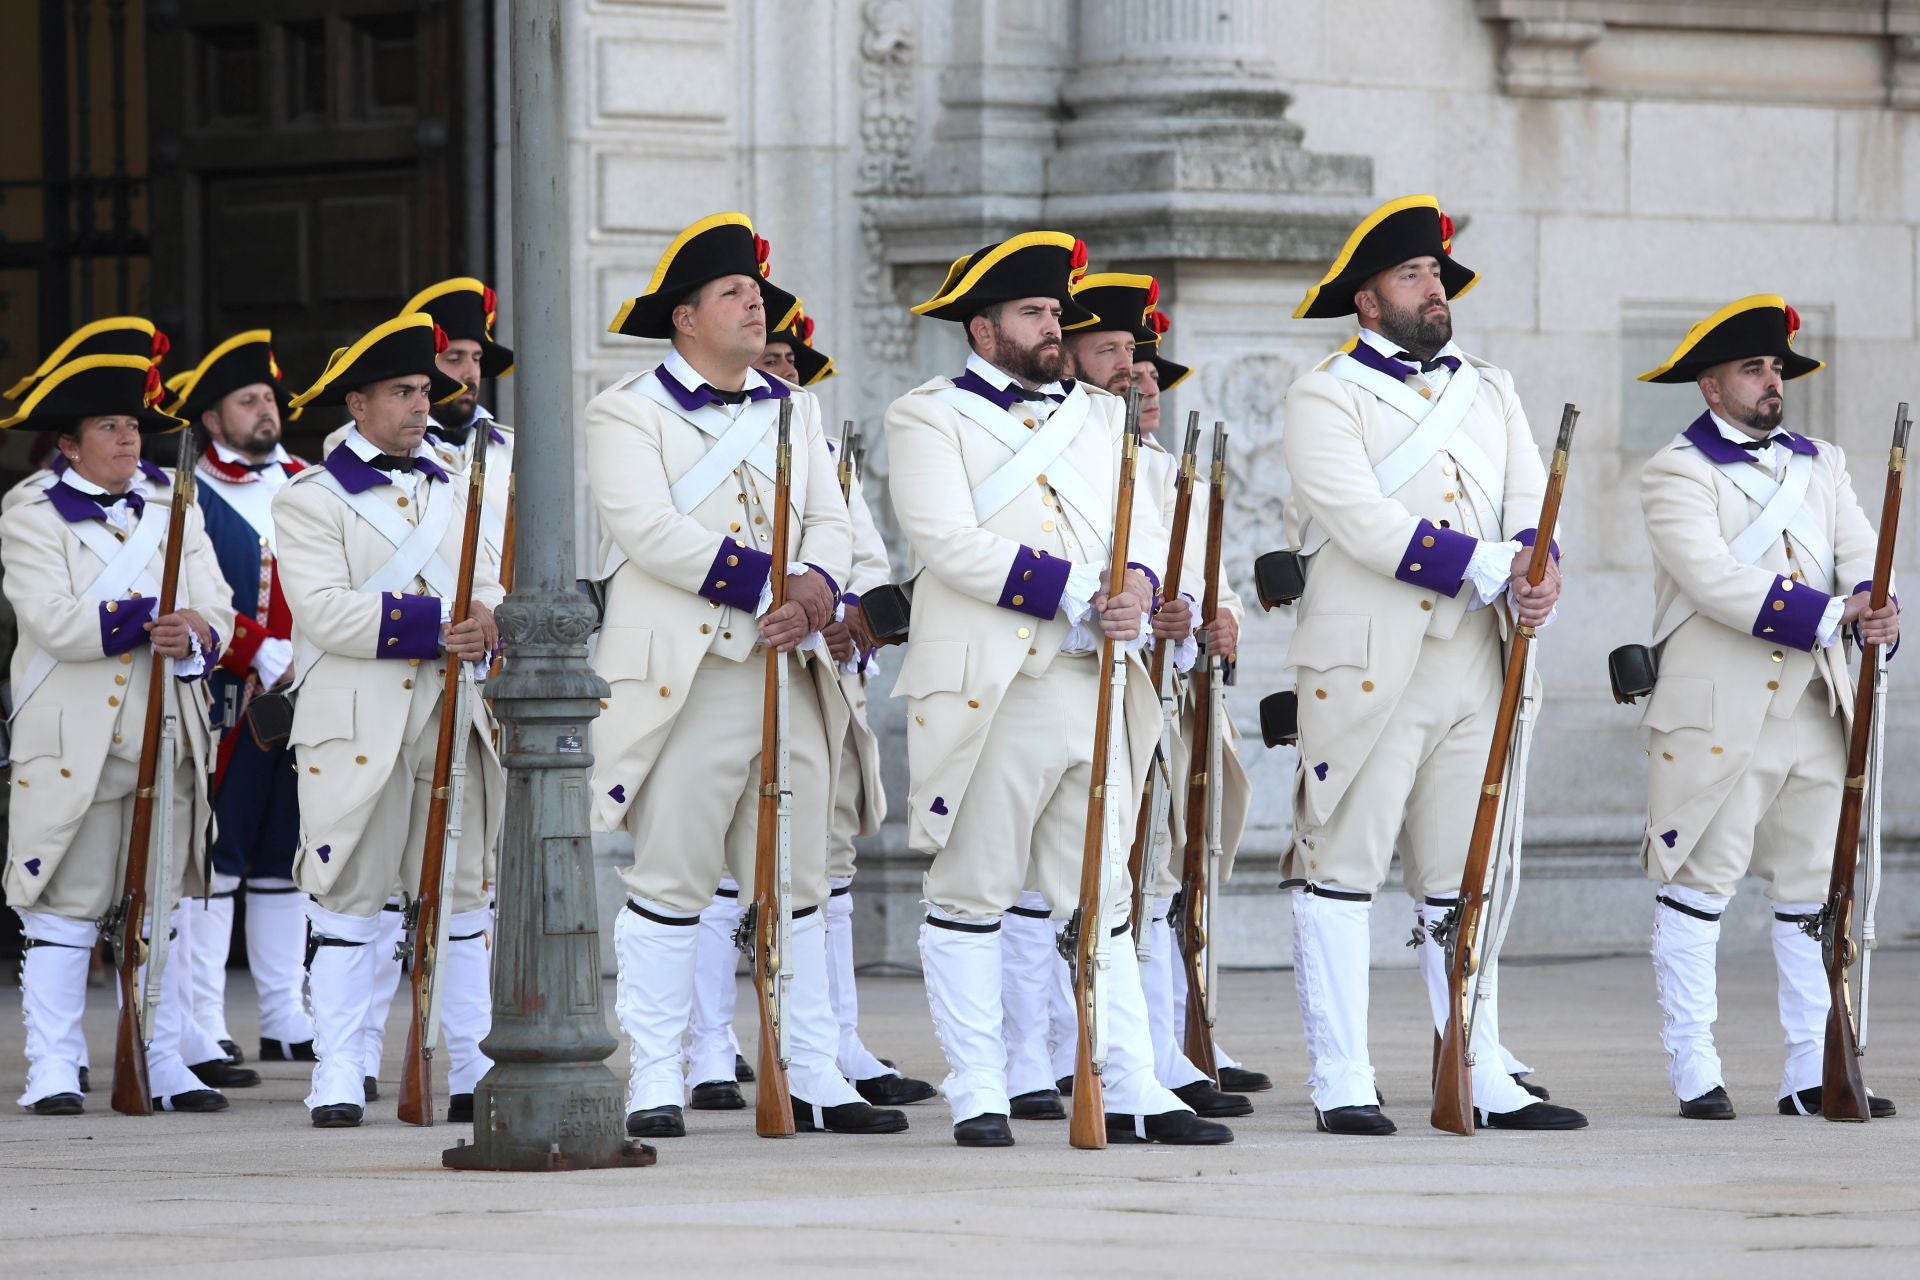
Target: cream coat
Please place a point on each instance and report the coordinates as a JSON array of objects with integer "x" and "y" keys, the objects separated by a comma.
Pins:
[
  {"x": 965, "y": 648},
  {"x": 1360, "y": 628},
  {"x": 1719, "y": 681},
  {"x": 64, "y": 729},
  {"x": 357, "y": 710},
  {"x": 657, "y": 626}
]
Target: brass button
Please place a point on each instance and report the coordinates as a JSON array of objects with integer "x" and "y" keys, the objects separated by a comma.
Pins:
[
  {"x": 1320, "y": 693},
  {"x": 974, "y": 703},
  {"x": 1426, "y": 604},
  {"x": 603, "y": 704},
  {"x": 393, "y": 640},
  {"x": 1779, "y": 656},
  {"x": 66, "y": 773},
  {"x": 1427, "y": 541},
  {"x": 759, "y": 519},
  {"x": 732, "y": 561},
  {"x": 113, "y": 606},
  {"x": 263, "y": 542},
  {"x": 1666, "y": 755},
  {"x": 1046, "y": 526},
  {"x": 1027, "y": 576},
  {"x": 1041, "y": 479},
  {"x": 1719, "y": 751},
  {"x": 1047, "y": 501},
  {"x": 125, "y": 658},
  {"x": 741, "y": 498},
  {"x": 1414, "y": 567},
  {"x": 394, "y": 614},
  {"x": 413, "y": 662},
  {"x": 112, "y": 701},
  {"x": 119, "y": 679},
  {"x": 1366, "y": 686},
  {"x": 1446, "y": 468},
  {"x": 359, "y": 759},
  {"x": 116, "y": 738},
  {"x": 1023, "y": 633},
  {"x": 726, "y": 635},
  {"x": 1033, "y": 653},
  {"x": 1786, "y": 584},
  {"x": 665, "y": 692},
  {"x": 733, "y": 527},
  {"x": 1018, "y": 601},
  {"x": 407, "y": 683},
  {"x": 1451, "y": 495},
  {"x": 706, "y": 628},
  {"x": 401, "y": 501},
  {"x": 720, "y": 586},
  {"x": 1773, "y": 684},
  {"x": 713, "y": 604},
  {"x": 1779, "y": 606},
  {"x": 1446, "y": 524}
]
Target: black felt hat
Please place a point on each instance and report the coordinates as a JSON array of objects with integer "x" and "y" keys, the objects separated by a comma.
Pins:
[
  {"x": 96, "y": 386},
  {"x": 402, "y": 347},
  {"x": 723, "y": 244},
  {"x": 113, "y": 336},
  {"x": 241, "y": 361},
  {"x": 464, "y": 308},
  {"x": 1400, "y": 230},
  {"x": 810, "y": 364},
  {"x": 1760, "y": 325},
  {"x": 1033, "y": 264}
]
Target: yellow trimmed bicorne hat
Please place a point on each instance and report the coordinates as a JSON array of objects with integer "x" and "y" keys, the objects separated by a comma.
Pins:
[
  {"x": 1399, "y": 230},
  {"x": 1171, "y": 373},
  {"x": 402, "y": 347},
  {"x": 722, "y": 244},
  {"x": 1121, "y": 299},
  {"x": 465, "y": 309},
  {"x": 810, "y": 364},
  {"x": 113, "y": 336},
  {"x": 1759, "y": 325},
  {"x": 1033, "y": 264},
  {"x": 96, "y": 386},
  {"x": 241, "y": 361}
]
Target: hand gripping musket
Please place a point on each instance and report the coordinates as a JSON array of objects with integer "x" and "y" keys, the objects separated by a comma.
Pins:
[
  {"x": 1150, "y": 834},
  {"x": 148, "y": 850},
  {"x": 1087, "y": 939},
  {"x": 427, "y": 916},
  {"x": 1843, "y": 1092},
  {"x": 1452, "y": 1069},
  {"x": 1199, "y": 873},
  {"x": 767, "y": 929}
]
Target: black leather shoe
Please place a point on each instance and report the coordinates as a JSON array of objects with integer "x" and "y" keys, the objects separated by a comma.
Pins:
[
  {"x": 988, "y": 1130},
  {"x": 656, "y": 1122},
  {"x": 848, "y": 1117},
  {"x": 56, "y": 1104},
  {"x": 1714, "y": 1104},
  {"x": 1537, "y": 1115},
  {"x": 741, "y": 1071},
  {"x": 717, "y": 1095},
  {"x": 460, "y": 1108},
  {"x": 1367, "y": 1121},
  {"x": 86, "y": 1081},
  {"x": 1174, "y": 1128},
  {"x": 216, "y": 1074},
  {"x": 235, "y": 1058},
  {"x": 192, "y": 1100},
  {"x": 1209, "y": 1101},
  {"x": 1808, "y": 1101},
  {"x": 1537, "y": 1090},
  {"x": 1241, "y": 1080},
  {"x": 371, "y": 1087},
  {"x": 337, "y": 1115},
  {"x": 1041, "y": 1104},
  {"x": 1064, "y": 1086},
  {"x": 286, "y": 1050},
  {"x": 894, "y": 1091}
]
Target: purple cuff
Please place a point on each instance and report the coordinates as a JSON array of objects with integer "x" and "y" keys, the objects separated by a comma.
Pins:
[
  {"x": 1892, "y": 596},
  {"x": 1526, "y": 536},
  {"x": 409, "y": 626},
  {"x": 825, "y": 576},
  {"x": 851, "y": 599},
  {"x": 210, "y": 658},
  {"x": 1437, "y": 559},
  {"x": 1153, "y": 607},
  {"x": 1791, "y": 614},
  {"x": 123, "y": 624},
  {"x": 736, "y": 576},
  {"x": 1035, "y": 583}
]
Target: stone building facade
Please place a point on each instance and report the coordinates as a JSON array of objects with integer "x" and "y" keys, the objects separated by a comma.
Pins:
[{"x": 1617, "y": 168}]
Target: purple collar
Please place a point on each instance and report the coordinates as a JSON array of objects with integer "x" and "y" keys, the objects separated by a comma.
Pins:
[
  {"x": 1720, "y": 451},
  {"x": 494, "y": 436},
  {"x": 1394, "y": 368},
  {"x": 1011, "y": 396},
  {"x": 357, "y": 476},
  {"x": 151, "y": 471},
  {"x": 75, "y": 506},
  {"x": 692, "y": 398}
]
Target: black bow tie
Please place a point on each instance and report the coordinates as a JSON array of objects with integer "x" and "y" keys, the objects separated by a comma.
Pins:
[
  {"x": 114, "y": 499},
  {"x": 1426, "y": 366},
  {"x": 1752, "y": 446},
  {"x": 1019, "y": 392},
  {"x": 256, "y": 466},
  {"x": 388, "y": 462},
  {"x": 727, "y": 397}
]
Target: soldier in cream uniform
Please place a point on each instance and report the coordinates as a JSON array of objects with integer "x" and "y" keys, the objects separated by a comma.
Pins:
[
  {"x": 371, "y": 600},
  {"x": 1003, "y": 480},
  {"x": 680, "y": 460},
  {"x": 860, "y": 806},
  {"x": 1762, "y": 560},
  {"x": 83, "y": 556},
  {"x": 1416, "y": 485}
]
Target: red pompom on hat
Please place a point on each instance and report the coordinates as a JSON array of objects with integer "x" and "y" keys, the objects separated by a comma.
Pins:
[
  {"x": 1793, "y": 323},
  {"x": 1153, "y": 293},
  {"x": 161, "y": 345},
  {"x": 763, "y": 255},
  {"x": 805, "y": 327},
  {"x": 1159, "y": 321},
  {"x": 440, "y": 341},
  {"x": 156, "y": 389},
  {"x": 1446, "y": 233},
  {"x": 490, "y": 303},
  {"x": 1078, "y": 261}
]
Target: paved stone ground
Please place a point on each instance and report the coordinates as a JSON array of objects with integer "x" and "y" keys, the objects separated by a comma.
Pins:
[{"x": 255, "y": 1191}]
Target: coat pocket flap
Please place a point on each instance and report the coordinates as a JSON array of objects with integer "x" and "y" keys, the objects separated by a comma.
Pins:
[
  {"x": 1329, "y": 640},
  {"x": 36, "y": 732},
  {"x": 1679, "y": 702},
  {"x": 932, "y": 666},
  {"x": 322, "y": 715},
  {"x": 622, "y": 653}
]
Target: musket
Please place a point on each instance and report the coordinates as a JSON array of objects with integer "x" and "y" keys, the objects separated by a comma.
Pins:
[
  {"x": 1086, "y": 941},
  {"x": 1197, "y": 889},
  {"x": 1150, "y": 831},
  {"x": 768, "y": 926},
  {"x": 848, "y": 442},
  {"x": 1843, "y": 1092},
  {"x": 426, "y": 917},
  {"x": 123, "y": 925},
  {"x": 1452, "y": 1068},
  {"x": 507, "y": 534}
]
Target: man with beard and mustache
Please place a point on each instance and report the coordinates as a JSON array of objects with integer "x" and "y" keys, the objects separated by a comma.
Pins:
[
  {"x": 1419, "y": 558},
  {"x": 1003, "y": 480},
  {"x": 1752, "y": 601},
  {"x": 236, "y": 394}
]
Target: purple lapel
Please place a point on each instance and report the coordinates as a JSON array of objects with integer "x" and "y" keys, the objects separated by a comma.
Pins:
[
  {"x": 692, "y": 398},
  {"x": 1398, "y": 370},
  {"x": 356, "y": 475},
  {"x": 494, "y": 436},
  {"x": 73, "y": 505},
  {"x": 1007, "y": 399},
  {"x": 152, "y": 472},
  {"x": 1720, "y": 451}
]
